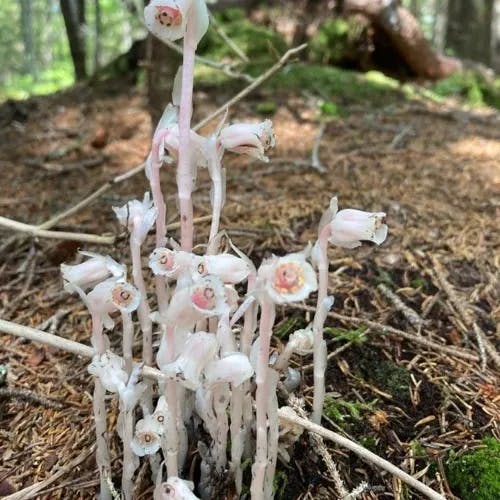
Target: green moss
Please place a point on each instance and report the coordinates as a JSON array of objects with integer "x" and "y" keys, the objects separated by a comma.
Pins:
[
  {"x": 391, "y": 378},
  {"x": 346, "y": 412},
  {"x": 356, "y": 336},
  {"x": 476, "y": 475},
  {"x": 288, "y": 326},
  {"x": 476, "y": 90},
  {"x": 266, "y": 108}
]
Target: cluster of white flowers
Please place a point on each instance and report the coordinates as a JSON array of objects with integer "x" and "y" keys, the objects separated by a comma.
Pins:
[{"x": 214, "y": 357}]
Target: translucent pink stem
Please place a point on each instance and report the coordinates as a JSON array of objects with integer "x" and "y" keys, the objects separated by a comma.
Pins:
[
  {"x": 262, "y": 398},
  {"x": 184, "y": 173},
  {"x": 319, "y": 381}
]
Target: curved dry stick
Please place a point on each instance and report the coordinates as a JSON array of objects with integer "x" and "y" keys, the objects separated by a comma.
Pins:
[{"x": 360, "y": 451}]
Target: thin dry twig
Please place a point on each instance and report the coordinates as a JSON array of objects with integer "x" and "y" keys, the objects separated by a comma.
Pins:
[
  {"x": 315, "y": 161},
  {"x": 360, "y": 451},
  {"x": 60, "y": 235},
  {"x": 258, "y": 81},
  {"x": 385, "y": 329},
  {"x": 30, "y": 397},
  {"x": 227, "y": 40},
  {"x": 410, "y": 315}
]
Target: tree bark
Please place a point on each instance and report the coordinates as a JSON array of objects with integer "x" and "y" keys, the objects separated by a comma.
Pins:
[
  {"x": 72, "y": 13},
  {"x": 27, "y": 30},
  {"x": 405, "y": 35},
  {"x": 469, "y": 29}
]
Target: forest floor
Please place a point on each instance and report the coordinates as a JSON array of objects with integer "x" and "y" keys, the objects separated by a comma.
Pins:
[{"x": 434, "y": 169}]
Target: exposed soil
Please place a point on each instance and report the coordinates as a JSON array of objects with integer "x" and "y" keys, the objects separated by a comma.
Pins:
[{"x": 434, "y": 171}]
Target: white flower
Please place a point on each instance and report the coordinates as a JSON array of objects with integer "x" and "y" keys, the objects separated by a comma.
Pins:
[
  {"x": 289, "y": 278},
  {"x": 252, "y": 139},
  {"x": 130, "y": 394},
  {"x": 160, "y": 416},
  {"x": 109, "y": 368},
  {"x": 167, "y": 19},
  {"x": 234, "y": 368},
  {"x": 92, "y": 271},
  {"x": 198, "y": 351},
  {"x": 302, "y": 341},
  {"x": 146, "y": 440},
  {"x": 110, "y": 296},
  {"x": 169, "y": 263},
  {"x": 203, "y": 299},
  {"x": 229, "y": 268},
  {"x": 175, "y": 489},
  {"x": 350, "y": 227},
  {"x": 139, "y": 217}
]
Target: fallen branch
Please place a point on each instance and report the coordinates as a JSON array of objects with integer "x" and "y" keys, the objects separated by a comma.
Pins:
[
  {"x": 411, "y": 316},
  {"x": 60, "y": 235},
  {"x": 360, "y": 451},
  {"x": 67, "y": 345},
  {"x": 258, "y": 81}
]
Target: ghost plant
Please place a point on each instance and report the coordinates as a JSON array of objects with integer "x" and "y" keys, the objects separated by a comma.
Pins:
[{"x": 219, "y": 380}]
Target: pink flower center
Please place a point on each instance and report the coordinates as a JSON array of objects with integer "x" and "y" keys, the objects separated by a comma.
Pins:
[
  {"x": 167, "y": 260},
  {"x": 204, "y": 298},
  {"x": 288, "y": 278},
  {"x": 121, "y": 296},
  {"x": 168, "y": 16}
]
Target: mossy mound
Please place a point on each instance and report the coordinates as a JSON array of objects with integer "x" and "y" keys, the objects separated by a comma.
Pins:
[{"x": 476, "y": 475}]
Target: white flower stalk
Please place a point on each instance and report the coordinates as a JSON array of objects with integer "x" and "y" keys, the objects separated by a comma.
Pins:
[
  {"x": 168, "y": 19},
  {"x": 273, "y": 434},
  {"x": 289, "y": 278},
  {"x": 170, "y": 263},
  {"x": 204, "y": 299},
  {"x": 94, "y": 270},
  {"x": 300, "y": 342},
  {"x": 198, "y": 351},
  {"x": 229, "y": 268},
  {"x": 252, "y": 139},
  {"x": 139, "y": 218},
  {"x": 234, "y": 368},
  {"x": 175, "y": 489}
]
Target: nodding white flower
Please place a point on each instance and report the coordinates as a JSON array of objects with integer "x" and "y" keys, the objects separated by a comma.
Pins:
[
  {"x": 92, "y": 271},
  {"x": 146, "y": 440},
  {"x": 302, "y": 341},
  {"x": 203, "y": 299},
  {"x": 160, "y": 416},
  {"x": 139, "y": 217},
  {"x": 229, "y": 268},
  {"x": 252, "y": 139},
  {"x": 234, "y": 368},
  {"x": 110, "y": 369},
  {"x": 289, "y": 278},
  {"x": 169, "y": 263},
  {"x": 167, "y": 19},
  {"x": 110, "y": 296},
  {"x": 198, "y": 351},
  {"x": 175, "y": 488},
  {"x": 350, "y": 227},
  {"x": 130, "y": 394}
]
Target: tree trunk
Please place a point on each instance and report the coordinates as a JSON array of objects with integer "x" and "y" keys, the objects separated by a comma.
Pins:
[
  {"x": 470, "y": 28},
  {"x": 27, "y": 30},
  {"x": 97, "y": 32},
  {"x": 73, "y": 14},
  {"x": 405, "y": 35}
]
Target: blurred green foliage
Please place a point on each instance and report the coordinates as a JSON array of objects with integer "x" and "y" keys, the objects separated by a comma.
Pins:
[{"x": 53, "y": 69}]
